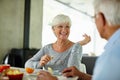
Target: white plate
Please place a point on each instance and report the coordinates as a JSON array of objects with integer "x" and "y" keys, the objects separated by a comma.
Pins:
[
  {"x": 33, "y": 74},
  {"x": 30, "y": 77},
  {"x": 64, "y": 78}
]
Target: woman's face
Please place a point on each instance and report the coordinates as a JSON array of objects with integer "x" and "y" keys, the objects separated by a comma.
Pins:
[{"x": 62, "y": 31}]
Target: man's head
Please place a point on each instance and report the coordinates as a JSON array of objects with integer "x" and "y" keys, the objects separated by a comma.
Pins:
[{"x": 107, "y": 17}]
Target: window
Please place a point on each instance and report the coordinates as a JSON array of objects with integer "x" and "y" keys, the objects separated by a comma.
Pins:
[{"x": 80, "y": 24}]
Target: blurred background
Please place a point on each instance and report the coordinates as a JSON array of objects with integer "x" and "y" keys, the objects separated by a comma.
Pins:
[{"x": 25, "y": 24}]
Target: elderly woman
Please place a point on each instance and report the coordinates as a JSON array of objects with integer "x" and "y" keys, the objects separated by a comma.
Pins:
[{"x": 63, "y": 52}]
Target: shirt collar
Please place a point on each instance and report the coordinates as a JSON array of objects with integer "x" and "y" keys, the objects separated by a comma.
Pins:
[{"x": 112, "y": 39}]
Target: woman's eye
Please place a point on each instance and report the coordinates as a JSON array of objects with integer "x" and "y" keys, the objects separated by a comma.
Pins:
[
  {"x": 67, "y": 26},
  {"x": 63, "y": 26}
]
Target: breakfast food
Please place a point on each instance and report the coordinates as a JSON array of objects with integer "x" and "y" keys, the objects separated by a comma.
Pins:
[
  {"x": 29, "y": 70},
  {"x": 14, "y": 74},
  {"x": 13, "y": 71},
  {"x": 50, "y": 70}
]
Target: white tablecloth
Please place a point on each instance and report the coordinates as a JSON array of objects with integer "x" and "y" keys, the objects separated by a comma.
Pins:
[{"x": 34, "y": 75}]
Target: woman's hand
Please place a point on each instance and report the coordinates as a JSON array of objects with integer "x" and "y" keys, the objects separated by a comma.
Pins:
[
  {"x": 45, "y": 59},
  {"x": 44, "y": 75},
  {"x": 86, "y": 40}
]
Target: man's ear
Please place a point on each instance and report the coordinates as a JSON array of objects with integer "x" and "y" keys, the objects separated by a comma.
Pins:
[{"x": 101, "y": 19}]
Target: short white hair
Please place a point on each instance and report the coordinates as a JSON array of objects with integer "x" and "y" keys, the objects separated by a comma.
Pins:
[
  {"x": 61, "y": 18},
  {"x": 110, "y": 9}
]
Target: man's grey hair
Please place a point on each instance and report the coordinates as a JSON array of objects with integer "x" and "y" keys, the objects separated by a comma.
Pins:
[{"x": 110, "y": 9}]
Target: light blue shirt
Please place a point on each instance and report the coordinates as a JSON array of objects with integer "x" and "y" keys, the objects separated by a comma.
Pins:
[
  {"x": 108, "y": 64},
  {"x": 70, "y": 57}
]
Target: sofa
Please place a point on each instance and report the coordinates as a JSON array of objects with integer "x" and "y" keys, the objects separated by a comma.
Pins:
[
  {"x": 18, "y": 57},
  {"x": 89, "y": 62}
]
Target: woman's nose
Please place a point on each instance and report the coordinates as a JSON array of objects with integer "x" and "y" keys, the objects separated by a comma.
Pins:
[{"x": 64, "y": 28}]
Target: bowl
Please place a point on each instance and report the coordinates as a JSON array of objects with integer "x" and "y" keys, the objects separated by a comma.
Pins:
[{"x": 15, "y": 76}]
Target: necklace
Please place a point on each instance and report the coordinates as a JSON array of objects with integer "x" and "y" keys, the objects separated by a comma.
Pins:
[{"x": 62, "y": 45}]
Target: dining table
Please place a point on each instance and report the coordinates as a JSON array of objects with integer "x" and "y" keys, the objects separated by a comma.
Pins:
[{"x": 33, "y": 76}]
